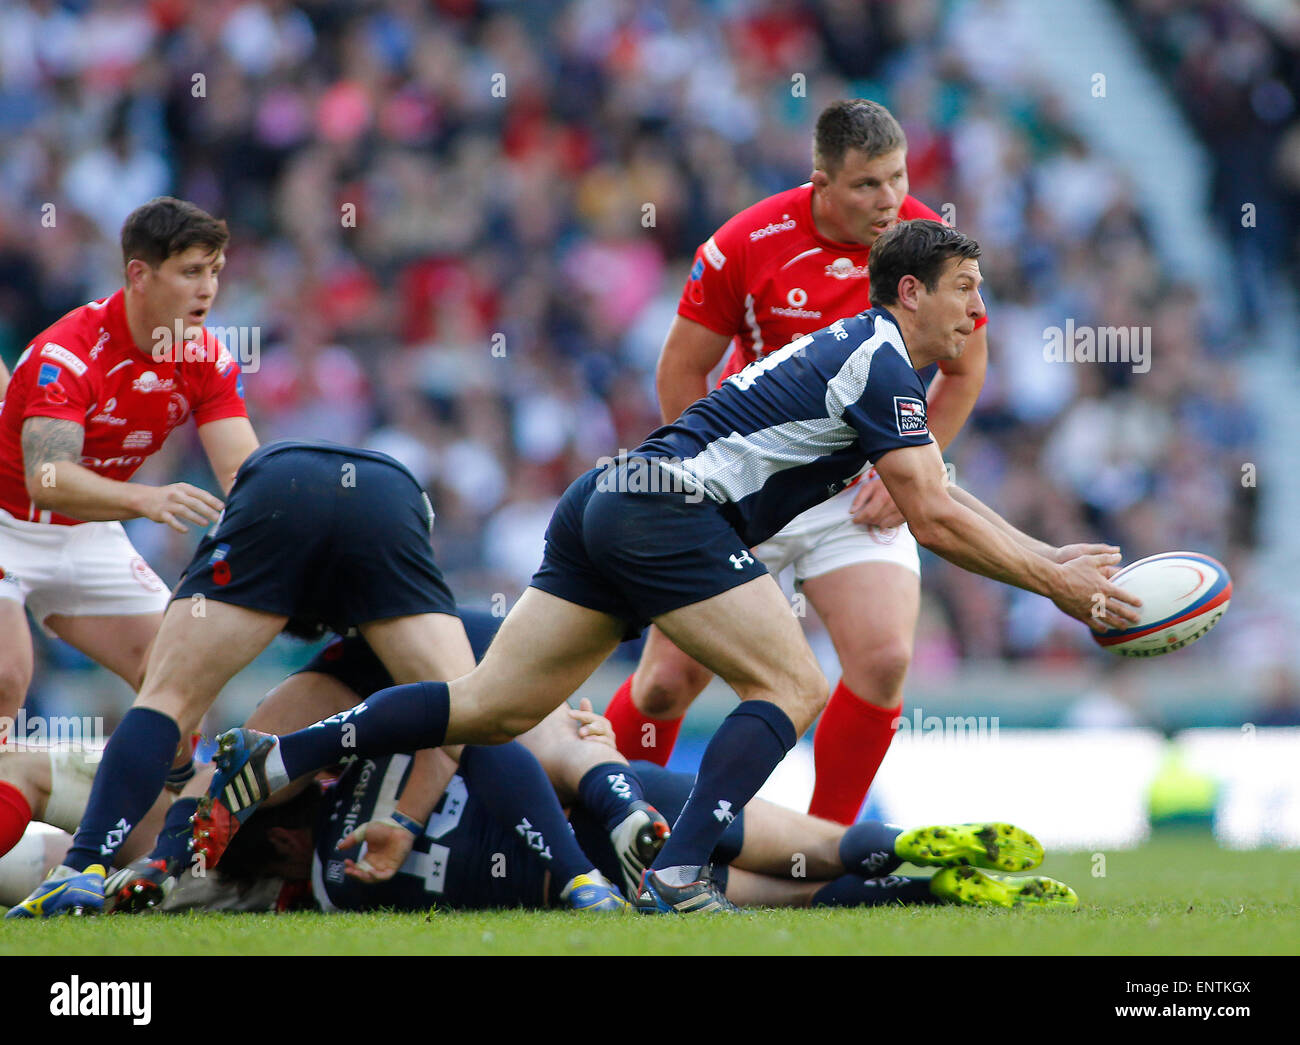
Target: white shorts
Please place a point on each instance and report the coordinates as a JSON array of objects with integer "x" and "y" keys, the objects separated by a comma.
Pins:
[
  {"x": 91, "y": 569},
  {"x": 825, "y": 538}
]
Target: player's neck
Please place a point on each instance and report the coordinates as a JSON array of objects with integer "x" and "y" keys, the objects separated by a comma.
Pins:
[
  {"x": 912, "y": 340},
  {"x": 143, "y": 336},
  {"x": 826, "y": 228}
]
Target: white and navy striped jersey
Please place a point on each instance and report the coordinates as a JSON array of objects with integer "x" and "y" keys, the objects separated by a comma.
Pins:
[{"x": 793, "y": 428}]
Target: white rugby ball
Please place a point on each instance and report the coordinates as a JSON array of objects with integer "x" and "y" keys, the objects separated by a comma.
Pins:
[{"x": 1184, "y": 595}]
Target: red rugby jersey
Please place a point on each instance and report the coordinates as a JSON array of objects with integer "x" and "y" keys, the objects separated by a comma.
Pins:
[
  {"x": 86, "y": 368},
  {"x": 768, "y": 276}
]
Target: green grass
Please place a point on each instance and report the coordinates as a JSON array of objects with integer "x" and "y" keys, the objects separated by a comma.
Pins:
[{"x": 1174, "y": 896}]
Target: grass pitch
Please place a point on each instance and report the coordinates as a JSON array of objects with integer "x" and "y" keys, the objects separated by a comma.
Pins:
[{"x": 1175, "y": 896}]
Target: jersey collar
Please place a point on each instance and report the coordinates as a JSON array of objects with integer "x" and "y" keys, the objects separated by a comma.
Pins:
[{"x": 901, "y": 346}]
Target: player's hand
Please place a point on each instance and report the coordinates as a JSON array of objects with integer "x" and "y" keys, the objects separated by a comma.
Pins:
[
  {"x": 591, "y": 726},
  {"x": 872, "y": 505},
  {"x": 1086, "y": 593},
  {"x": 180, "y": 503},
  {"x": 388, "y": 844},
  {"x": 1072, "y": 551}
]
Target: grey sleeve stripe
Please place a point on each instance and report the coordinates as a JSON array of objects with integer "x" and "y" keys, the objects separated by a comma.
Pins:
[
  {"x": 848, "y": 385},
  {"x": 735, "y": 466}
]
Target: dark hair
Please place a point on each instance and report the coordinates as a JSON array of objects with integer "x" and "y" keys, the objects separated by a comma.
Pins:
[
  {"x": 166, "y": 226},
  {"x": 919, "y": 248},
  {"x": 854, "y": 124},
  {"x": 251, "y": 851}
]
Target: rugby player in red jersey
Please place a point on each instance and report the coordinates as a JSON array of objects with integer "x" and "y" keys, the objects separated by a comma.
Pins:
[
  {"x": 791, "y": 264},
  {"x": 90, "y": 399}
]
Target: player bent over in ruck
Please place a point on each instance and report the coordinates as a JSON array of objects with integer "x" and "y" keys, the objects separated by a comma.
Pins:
[
  {"x": 312, "y": 537},
  {"x": 785, "y": 433}
]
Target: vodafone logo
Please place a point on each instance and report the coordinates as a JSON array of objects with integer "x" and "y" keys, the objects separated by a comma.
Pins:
[
  {"x": 798, "y": 297},
  {"x": 843, "y": 268},
  {"x": 105, "y": 417}
]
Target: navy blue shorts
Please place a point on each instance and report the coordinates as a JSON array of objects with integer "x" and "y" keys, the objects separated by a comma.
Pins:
[
  {"x": 638, "y": 555},
  {"x": 325, "y": 534}
]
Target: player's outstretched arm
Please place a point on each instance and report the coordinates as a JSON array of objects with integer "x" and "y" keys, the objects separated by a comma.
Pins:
[
  {"x": 227, "y": 442},
  {"x": 917, "y": 481},
  {"x": 56, "y": 482},
  {"x": 690, "y": 353}
]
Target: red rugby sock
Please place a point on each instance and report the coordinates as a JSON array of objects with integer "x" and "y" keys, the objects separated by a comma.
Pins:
[
  {"x": 848, "y": 747},
  {"x": 15, "y": 815},
  {"x": 640, "y": 736}
]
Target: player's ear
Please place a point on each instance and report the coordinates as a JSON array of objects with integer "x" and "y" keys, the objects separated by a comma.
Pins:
[
  {"x": 136, "y": 271},
  {"x": 909, "y": 292},
  {"x": 820, "y": 178}
]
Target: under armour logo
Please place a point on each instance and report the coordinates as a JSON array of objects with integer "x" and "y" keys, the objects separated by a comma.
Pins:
[
  {"x": 114, "y": 839},
  {"x": 619, "y": 785},
  {"x": 741, "y": 560},
  {"x": 723, "y": 812}
]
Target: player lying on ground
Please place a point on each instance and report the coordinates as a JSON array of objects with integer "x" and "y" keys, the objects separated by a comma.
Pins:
[
  {"x": 664, "y": 536},
  {"x": 467, "y": 859},
  {"x": 467, "y": 838},
  {"x": 312, "y": 538},
  {"x": 787, "y": 265},
  {"x": 509, "y": 783}
]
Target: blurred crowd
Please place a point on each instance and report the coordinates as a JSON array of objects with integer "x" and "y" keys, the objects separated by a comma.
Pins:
[
  {"x": 1235, "y": 68},
  {"x": 461, "y": 227}
]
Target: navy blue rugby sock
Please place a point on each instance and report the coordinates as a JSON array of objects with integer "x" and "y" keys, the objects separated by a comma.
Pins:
[
  {"x": 511, "y": 783},
  {"x": 401, "y": 718},
  {"x": 867, "y": 849},
  {"x": 128, "y": 781},
  {"x": 748, "y": 745},
  {"x": 608, "y": 790},
  {"x": 852, "y": 890}
]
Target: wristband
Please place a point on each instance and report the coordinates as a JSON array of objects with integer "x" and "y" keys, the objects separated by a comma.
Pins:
[{"x": 402, "y": 820}]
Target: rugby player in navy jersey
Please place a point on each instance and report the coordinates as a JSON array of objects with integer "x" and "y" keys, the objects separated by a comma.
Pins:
[
  {"x": 664, "y": 534},
  {"x": 312, "y": 538}
]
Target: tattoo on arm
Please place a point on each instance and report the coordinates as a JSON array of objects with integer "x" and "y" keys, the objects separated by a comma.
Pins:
[{"x": 50, "y": 439}]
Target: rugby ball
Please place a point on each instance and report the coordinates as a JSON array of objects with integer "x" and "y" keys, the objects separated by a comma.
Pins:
[{"x": 1184, "y": 595}]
